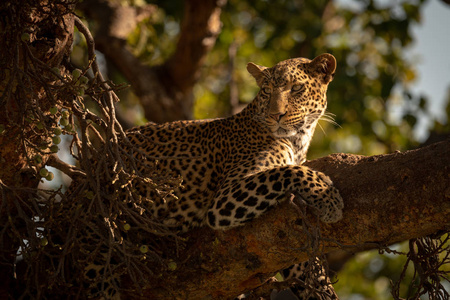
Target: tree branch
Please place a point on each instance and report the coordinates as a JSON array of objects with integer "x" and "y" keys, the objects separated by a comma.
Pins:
[
  {"x": 165, "y": 91},
  {"x": 199, "y": 30},
  {"x": 71, "y": 171},
  {"x": 389, "y": 198}
]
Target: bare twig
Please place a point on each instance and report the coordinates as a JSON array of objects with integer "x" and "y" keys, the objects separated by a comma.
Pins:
[{"x": 71, "y": 171}]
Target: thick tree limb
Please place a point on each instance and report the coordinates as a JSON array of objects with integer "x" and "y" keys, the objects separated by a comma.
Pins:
[{"x": 388, "y": 198}]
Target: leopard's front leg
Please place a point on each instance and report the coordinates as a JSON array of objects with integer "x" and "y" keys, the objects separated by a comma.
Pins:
[{"x": 242, "y": 198}]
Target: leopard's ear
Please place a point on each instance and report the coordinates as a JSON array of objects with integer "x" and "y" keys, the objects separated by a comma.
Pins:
[
  {"x": 324, "y": 67},
  {"x": 258, "y": 72}
]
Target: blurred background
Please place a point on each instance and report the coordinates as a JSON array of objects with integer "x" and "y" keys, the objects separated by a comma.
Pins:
[{"x": 187, "y": 59}]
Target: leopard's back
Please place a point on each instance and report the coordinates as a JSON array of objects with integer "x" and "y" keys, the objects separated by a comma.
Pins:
[{"x": 203, "y": 153}]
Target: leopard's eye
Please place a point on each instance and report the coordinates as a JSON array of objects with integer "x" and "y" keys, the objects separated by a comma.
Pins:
[
  {"x": 267, "y": 90},
  {"x": 296, "y": 87}
]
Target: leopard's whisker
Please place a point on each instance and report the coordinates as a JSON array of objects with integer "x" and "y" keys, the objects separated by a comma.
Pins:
[
  {"x": 322, "y": 128},
  {"x": 329, "y": 117}
]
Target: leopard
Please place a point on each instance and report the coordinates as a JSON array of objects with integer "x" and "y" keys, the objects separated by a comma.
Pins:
[{"x": 235, "y": 169}]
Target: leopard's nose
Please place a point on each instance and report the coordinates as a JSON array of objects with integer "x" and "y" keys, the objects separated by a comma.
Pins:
[{"x": 277, "y": 117}]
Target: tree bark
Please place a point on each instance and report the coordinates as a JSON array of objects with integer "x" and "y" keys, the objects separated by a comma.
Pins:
[
  {"x": 165, "y": 91},
  {"x": 388, "y": 199},
  {"x": 30, "y": 32}
]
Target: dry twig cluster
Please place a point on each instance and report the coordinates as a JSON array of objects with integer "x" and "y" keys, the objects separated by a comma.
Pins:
[
  {"x": 101, "y": 218},
  {"x": 430, "y": 257}
]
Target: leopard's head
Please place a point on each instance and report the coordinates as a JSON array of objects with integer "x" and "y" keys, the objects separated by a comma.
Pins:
[{"x": 292, "y": 97}]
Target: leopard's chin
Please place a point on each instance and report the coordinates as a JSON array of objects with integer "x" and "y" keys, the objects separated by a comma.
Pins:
[{"x": 281, "y": 132}]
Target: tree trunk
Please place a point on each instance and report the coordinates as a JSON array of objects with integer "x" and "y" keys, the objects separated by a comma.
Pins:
[
  {"x": 388, "y": 199},
  {"x": 29, "y": 35}
]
